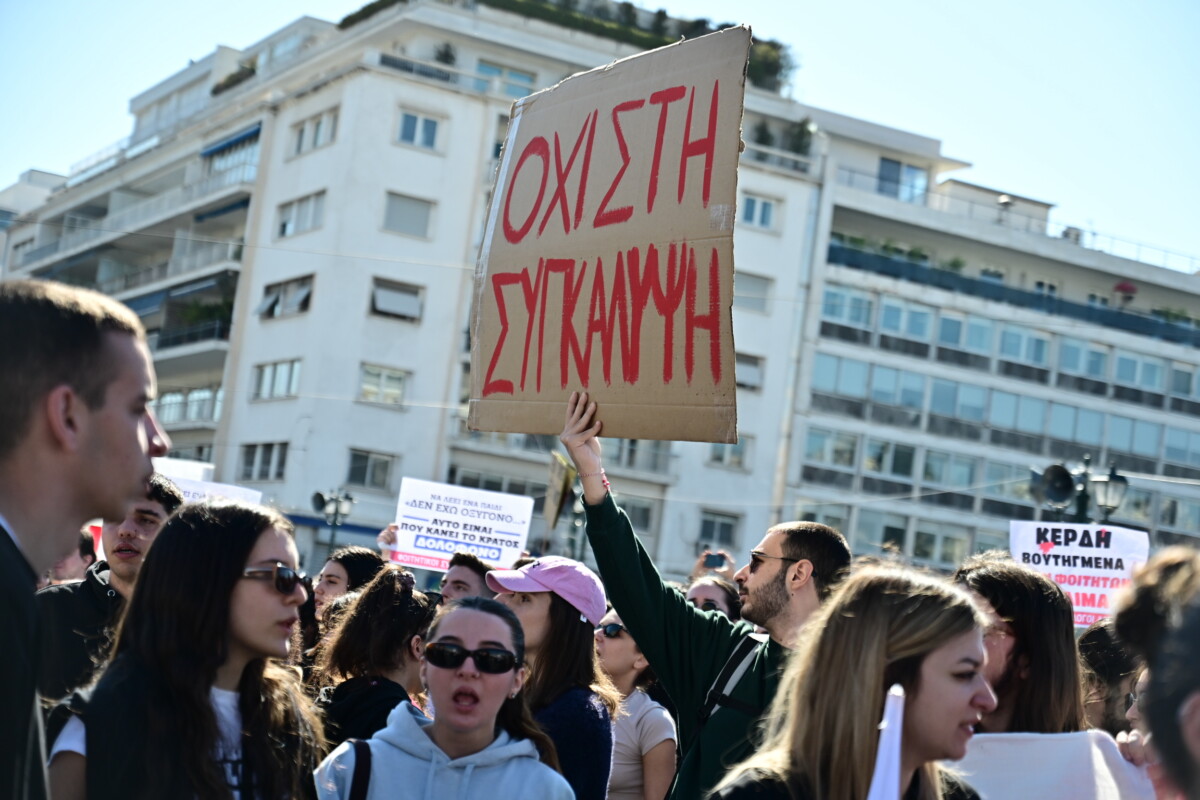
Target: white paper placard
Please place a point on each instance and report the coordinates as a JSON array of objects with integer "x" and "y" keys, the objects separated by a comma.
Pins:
[
  {"x": 439, "y": 519},
  {"x": 1090, "y": 562}
]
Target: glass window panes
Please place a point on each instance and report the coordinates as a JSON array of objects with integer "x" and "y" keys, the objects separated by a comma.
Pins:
[
  {"x": 824, "y": 374},
  {"x": 381, "y": 385},
  {"x": 1003, "y": 410},
  {"x": 1146, "y": 436},
  {"x": 370, "y": 470},
  {"x": 1031, "y": 415},
  {"x": 751, "y": 292},
  {"x": 912, "y": 390},
  {"x": 877, "y": 530},
  {"x": 852, "y": 378},
  {"x": 979, "y": 335},
  {"x": 950, "y": 331},
  {"x": 1089, "y": 427},
  {"x": 883, "y": 385},
  {"x": 407, "y": 215},
  {"x": 1120, "y": 433}
]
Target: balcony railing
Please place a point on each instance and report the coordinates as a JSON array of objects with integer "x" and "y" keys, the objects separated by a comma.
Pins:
[
  {"x": 471, "y": 82},
  {"x": 214, "y": 330},
  {"x": 205, "y": 254},
  {"x": 785, "y": 160},
  {"x": 137, "y": 215},
  {"x": 181, "y": 409},
  {"x": 945, "y": 279},
  {"x": 996, "y": 214}
]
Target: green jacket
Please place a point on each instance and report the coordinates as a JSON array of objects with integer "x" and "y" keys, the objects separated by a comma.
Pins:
[{"x": 687, "y": 648}]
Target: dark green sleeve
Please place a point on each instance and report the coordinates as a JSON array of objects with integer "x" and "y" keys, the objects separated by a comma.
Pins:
[{"x": 686, "y": 647}]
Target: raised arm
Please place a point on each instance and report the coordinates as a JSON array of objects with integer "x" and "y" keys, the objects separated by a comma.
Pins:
[{"x": 581, "y": 438}]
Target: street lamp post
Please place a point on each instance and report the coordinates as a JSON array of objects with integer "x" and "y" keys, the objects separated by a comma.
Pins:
[
  {"x": 1109, "y": 491},
  {"x": 335, "y": 505}
]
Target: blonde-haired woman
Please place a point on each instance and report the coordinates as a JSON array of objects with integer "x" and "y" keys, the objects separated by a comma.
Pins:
[{"x": 886, "y": 625}]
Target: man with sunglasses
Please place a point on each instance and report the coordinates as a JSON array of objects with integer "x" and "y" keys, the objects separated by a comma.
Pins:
[
  {"x": 720, "y": 678},
  {"x": 76, "y": 618}
]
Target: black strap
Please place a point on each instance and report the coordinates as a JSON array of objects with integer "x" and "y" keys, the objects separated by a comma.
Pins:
[
  {"x": 362, "y": 770},
  {"x": 719, "y": 692}
]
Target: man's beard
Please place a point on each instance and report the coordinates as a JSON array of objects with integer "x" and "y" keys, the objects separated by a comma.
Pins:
[{"x": 768, "y": 601}]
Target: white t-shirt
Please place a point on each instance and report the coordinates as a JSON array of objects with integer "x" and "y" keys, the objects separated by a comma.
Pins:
[
  {"x": 73, "y": 738},
  {"x": 643, "y": 725}
]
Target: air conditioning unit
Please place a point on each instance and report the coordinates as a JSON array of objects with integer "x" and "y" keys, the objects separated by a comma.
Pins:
[{"x": 1072, "y": 235}]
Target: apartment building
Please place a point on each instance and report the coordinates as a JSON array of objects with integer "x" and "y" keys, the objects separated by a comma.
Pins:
[{"x": 297, "y": 224}]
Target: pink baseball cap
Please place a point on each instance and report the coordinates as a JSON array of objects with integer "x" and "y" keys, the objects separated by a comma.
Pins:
[{"x": 567, "y": 578}]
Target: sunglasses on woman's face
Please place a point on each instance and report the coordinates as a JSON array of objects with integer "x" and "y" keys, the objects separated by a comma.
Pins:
[
  {"x": 286, "y": 579},
  {"x": 492, "y": 660},
  {"x": 612, "y": 630}
]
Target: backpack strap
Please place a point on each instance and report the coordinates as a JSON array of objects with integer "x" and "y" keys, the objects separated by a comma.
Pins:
[
  {"x": 361, "y": 778},
  {"x": 735, "y": 667}
]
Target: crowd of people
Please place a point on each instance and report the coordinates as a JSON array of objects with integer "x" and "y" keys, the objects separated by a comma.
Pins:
[{"x": 194, "y": 659}]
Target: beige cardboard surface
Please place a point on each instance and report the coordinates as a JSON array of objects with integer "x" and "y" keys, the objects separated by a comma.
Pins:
[{"x": 607, "y": 262}]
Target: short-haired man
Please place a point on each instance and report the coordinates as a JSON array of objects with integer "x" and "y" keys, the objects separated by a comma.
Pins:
[
  {"x": 74, "y": 565},
  {"x": 76, "y": 618},
  {"x": 465, "y": 577},
  {"x": 696, "y": 654},
  {"x": 76, "y": 439}
]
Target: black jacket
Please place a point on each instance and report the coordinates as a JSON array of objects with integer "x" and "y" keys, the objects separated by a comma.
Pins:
[
  {"x": 359, "y": 707},
  {"x": 22, "y": 753},
  {"x": 76, "y": 622}
]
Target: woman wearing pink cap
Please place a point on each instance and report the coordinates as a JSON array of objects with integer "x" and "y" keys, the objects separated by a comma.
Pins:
[{"x": 560, "y": 602}]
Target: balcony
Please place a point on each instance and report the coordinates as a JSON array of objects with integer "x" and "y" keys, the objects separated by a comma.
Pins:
[
  {"x": 435, "y": 72},
  {"x": 201, "y": 256},
  {"x": 143, "y": 213},
  {"x": 1117, "y": 319},
  {"x": 783, "y": 161},
  {"x": 939, "y": 200}
]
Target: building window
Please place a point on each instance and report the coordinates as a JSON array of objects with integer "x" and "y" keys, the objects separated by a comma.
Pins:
[
  {"x": 647, "y": 455},
  {"x": 967, "y": 333},
  {"x": 263, "y": 462},
  {"x": 877, "y": 531},
  {"x": 895, "y": 387},
  {"x": 959, "y": 400},
  {"x": 381, "y": 385},
  {"x": 730, "y": 455},
  {"x": 847, "y": 307},
  {"x": 1144, "y": 372},
  {"x": 840, "y": 376},
  {"x": 902, "y": 181},
  {"x": 751, "y": 292},
  {"x": 370, "y": 470},
  {"x": 1183, "y": 447},
  {"x": 1018, "y": 344},
  {"x": 834, "y": 515},
  {"x": 316, "y": 131},
  {"x": 1083, "y": 358},
  {"x": 399, "y": 300},
  {"x": 19, "y": 249},
  {"x": 940, "y": 543},
  {"x": 301, "y": 216},
  {"x": 515, "y": 83},
  {"x": 278, "y": 379},
  {"x": 718, "y": 529},
  {"x": 948, "y": 469},
  {"x": 748, "y": 371},
  {"x": 758, "y": 212},
  {"x": 418, "y": 130},
  {"x": 286, "y": 298},
  {"x": 1015, "y": 413},
  {"x": 407, "y": 215},
  {"x": 889, "y": 458},
  {"x": 910, "y": 320},
  {"x": 831, "y": 447},
  {"x": 499, "y": 483},
  {"x": 1008, "y": 481},
  {"x": 991, "y": 275},
  {"x": 1046, "y": 287}
]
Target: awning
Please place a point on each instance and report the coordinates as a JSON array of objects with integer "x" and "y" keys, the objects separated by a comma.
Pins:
[
  {"x": 148, "y": 303},
  {"x": 217, "y": 212},
  {"x": 234, "y": 140}
]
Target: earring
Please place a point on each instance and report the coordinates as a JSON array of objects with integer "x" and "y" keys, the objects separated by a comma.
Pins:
[{"x": 512, "y": 696}]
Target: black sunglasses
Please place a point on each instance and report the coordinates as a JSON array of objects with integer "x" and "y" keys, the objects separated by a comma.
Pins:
[
  {"x": 1132, "y": 698},
  {"x": 756, "y": 559},
  {"x": 612, "y": 630},
  {"x": 492, "y": 660},
  {"x": 286, "y": 579}
]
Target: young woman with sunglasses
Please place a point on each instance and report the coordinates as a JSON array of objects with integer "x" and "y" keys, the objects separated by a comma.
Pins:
[
  {"x": 714, "y": 593},
  {"x": 372, "y": 661},
  {"x": 193, "y": 702},
  {"x": 644, "y": 749},
  {"x": 482, "y": 743},
  {"x": 559, "y": 602},
  {"x": 886, "y": 625}
]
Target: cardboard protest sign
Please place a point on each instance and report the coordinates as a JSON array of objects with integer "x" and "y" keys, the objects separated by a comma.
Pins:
[
  {"x": 438, "y": 520},
  {"x": 1090, "y": 562},
  {"x": 607, "y": 260},
  {"x": 558, "y": 487}
]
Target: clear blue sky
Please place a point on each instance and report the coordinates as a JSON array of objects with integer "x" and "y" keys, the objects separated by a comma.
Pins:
[{"x": 1093, "y": 105}]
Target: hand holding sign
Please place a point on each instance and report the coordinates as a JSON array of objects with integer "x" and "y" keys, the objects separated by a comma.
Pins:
[{"x": 580, "y": 437}]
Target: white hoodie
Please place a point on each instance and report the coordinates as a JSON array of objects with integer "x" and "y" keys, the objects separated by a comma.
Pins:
[{"x": 405, "y": 763}]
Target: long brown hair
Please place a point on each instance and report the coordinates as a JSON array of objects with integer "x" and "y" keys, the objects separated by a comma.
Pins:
[
  {"x": 574, "y": 662},
  {"x": 1043, "y": 623},
  {"x": 175, "y": 634},
  {"x": 822, "y": 728},
  {"x": 514, "y": 716}
]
